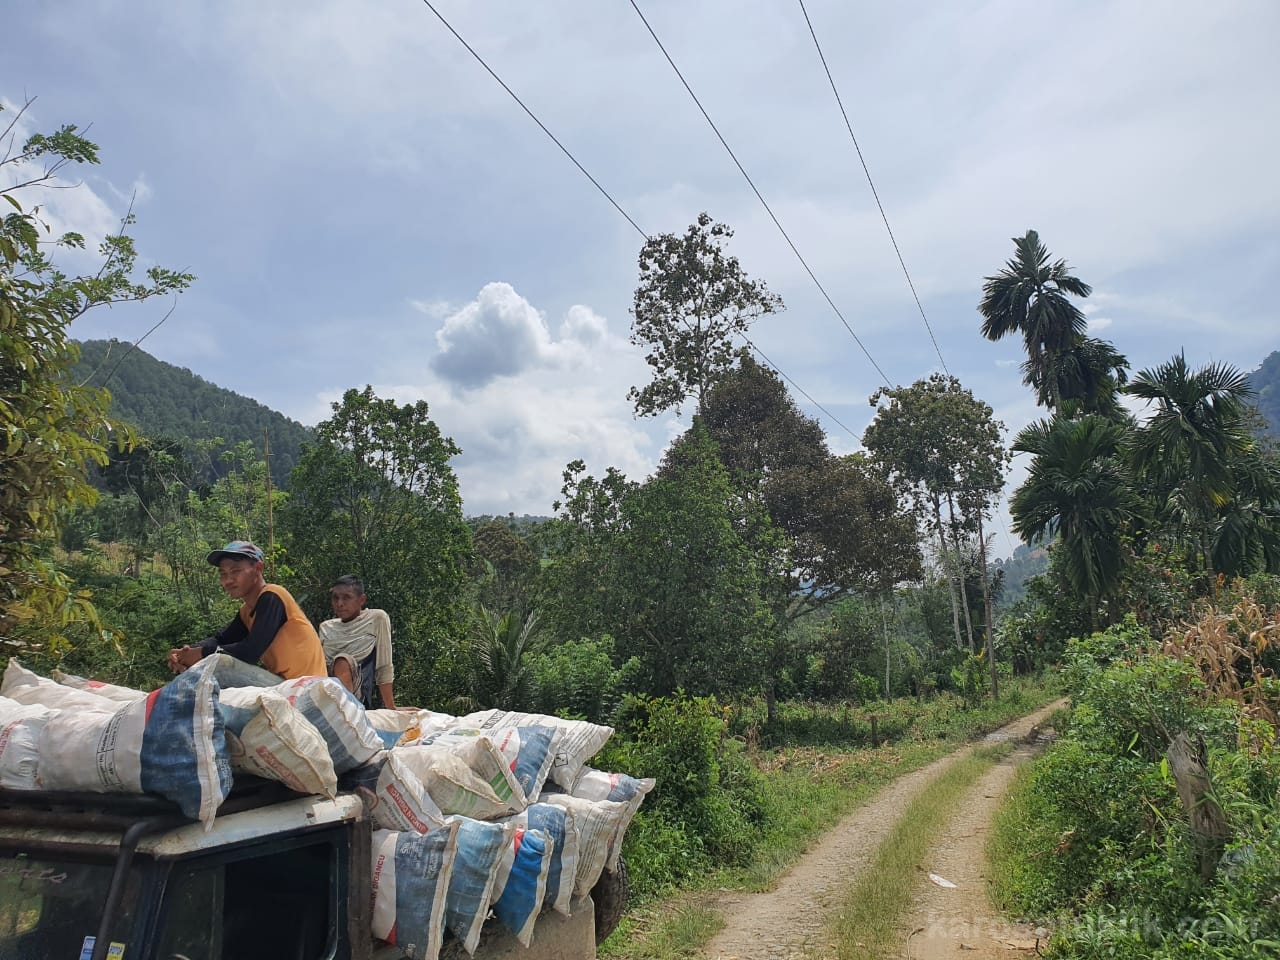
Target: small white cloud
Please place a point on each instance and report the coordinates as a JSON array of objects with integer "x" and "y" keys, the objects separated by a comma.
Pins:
[
  {"x": 1007, "y": 363},
  {"x": 1098, "y": 324},
  {"x": 435, "y": 309}
]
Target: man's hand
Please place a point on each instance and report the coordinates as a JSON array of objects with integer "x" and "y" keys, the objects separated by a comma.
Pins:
[{"x": 184, "y": 657}]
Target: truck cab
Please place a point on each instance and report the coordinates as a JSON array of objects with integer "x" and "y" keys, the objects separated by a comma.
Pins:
[{"x": 277, "y": 876}]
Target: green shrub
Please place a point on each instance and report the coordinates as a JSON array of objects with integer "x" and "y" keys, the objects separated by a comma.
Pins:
[
  {"x": 578, "y": 679},
  {"x": 706, "y": 785}
]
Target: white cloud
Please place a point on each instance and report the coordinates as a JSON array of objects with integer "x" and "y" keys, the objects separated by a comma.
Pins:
[{"x": 435, "y": 309}]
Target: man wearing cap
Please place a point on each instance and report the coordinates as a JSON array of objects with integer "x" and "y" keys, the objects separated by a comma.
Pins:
[{"x": 270, "y": 629}]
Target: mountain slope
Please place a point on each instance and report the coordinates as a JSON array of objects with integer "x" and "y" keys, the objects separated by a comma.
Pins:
[
  {"x": 163, "y": 400},
  {"x": 1266, "y": 381}
]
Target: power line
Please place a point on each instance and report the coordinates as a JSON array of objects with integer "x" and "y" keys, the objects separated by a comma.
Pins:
[
  {"x": 871, "y": 184},
  {"x": 802, "y": 390},
  {"x": 759, "y": 195},
  {"x": 563, "y": 149},
  {"x": 629, "y": 220}
]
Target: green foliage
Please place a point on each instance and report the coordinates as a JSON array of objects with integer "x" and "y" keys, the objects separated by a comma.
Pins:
[
  {"x": 692, "y": 301},
  {"x": 53, "y": 428},
  {"x": 163, "y": 400},
  {"x": 577, "y": 678},
  {"x": 665, "y": 570},
  {"x": 497, "y": 655},
  {"x": 376, "y": 496},
  {"x": 706, "y": 784}
]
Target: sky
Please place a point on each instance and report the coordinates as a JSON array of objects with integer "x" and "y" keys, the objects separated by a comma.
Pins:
[{"x": 362, "y": 203}]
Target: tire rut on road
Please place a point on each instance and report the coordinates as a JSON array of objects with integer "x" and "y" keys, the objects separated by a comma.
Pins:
[{"x": 790, "y": 921}]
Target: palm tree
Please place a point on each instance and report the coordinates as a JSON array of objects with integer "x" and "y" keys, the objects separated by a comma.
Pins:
[
  {"x": 1030, "y": 296},
  {"x": 1077, "y": 488},
  {"x": 1087, "y": 376},
  {"x": 1191, "y": 445},
  {"x": 500, "y": 670}
]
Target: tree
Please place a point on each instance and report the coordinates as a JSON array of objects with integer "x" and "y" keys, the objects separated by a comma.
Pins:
[
  {"x": 835, "y": 527},
  {"x": 1030, "y": 296},
  {"x": 1086, "y": 377},
  {"x": 53, "y": 428},
  {"x": 510, "y": 567},
  {"x": 664, "y": 569},
  {"x": 376, "y": 496},
  {"x": 692, "y": 300},
  {"x": 1078, "y": 489},
  {"x": 940, "y": 446},
  {"x": 1213, "y": 483}
]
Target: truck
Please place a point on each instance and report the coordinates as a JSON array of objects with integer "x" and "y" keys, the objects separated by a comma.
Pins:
[{"x": 277, "y": 875}]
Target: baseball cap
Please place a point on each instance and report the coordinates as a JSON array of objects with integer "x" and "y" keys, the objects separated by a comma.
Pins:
[{"x": 236, "y": 550}]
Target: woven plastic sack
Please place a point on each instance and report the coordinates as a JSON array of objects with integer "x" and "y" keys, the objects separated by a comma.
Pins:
[
  {"x": 22, "y": 685},
  {"x": 410, "y": 880},
  {"x": 173, "y": 744},
  {"x": 466, "y": 776},
  {"x": 527, "y": 751},
  {"x": 20, "y": 728},
  {"x": 598, "y": 822},
  {"x": 399, "y": 728},
  {"x": 268, "y": 737},
  {"x": 598, "y": 785},
  {"x": 556, "y": 824},
  {"x": 338, "y": 716},
  {"x": 475, "y": 871},
  {"x": 521, "y": 884},
  {"x": 109, "y": 690},
  {"x": 579, "y": 742},
  {"x": 401, "y": 798}
]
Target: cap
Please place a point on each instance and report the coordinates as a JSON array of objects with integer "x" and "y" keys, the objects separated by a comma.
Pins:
[{"x": 236, "y": 550}]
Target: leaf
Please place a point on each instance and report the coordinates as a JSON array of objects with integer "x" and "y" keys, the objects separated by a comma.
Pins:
[{"x": 941, "y": 881}]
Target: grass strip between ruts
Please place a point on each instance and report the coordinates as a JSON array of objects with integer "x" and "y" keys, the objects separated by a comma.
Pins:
[{"x": 868, "y": 925}]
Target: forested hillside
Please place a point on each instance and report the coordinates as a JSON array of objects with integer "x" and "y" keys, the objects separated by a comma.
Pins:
[
  {"x": 166, "y": 401},
  {"x": 1266, "y": 381}
]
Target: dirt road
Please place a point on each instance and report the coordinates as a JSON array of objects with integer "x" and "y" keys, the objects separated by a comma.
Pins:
[{"x": 790, "y": 921}]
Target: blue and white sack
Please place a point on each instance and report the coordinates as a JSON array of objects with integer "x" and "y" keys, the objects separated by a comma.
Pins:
[
  {"x": 268, "y": 737},
  {"x": 556, "y": 824},
  {"x": 475, "y": 870},
  {"x": 410, "y": 879},
  {"x": 527, "y": 751},
  {"x": 339, "y": 717},
  {"x": 172, "y": 743},
  {"x": 518, "y": 896},
  {"x": 617, "y": 787}
]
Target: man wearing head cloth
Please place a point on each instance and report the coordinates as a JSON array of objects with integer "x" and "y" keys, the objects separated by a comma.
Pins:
[{"x": 270, "y": 629}]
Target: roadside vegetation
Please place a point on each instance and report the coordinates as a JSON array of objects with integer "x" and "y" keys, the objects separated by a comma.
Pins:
[{"x": 759, "y": 612}]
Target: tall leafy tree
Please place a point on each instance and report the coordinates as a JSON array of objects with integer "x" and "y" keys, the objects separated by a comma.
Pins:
[
  {"x": 692, "y": 300},
  {"x": 1087, "y": 377},
  {"x": 53, "y": 428},
  {"x": 941, "y": 447},
  {"x": 1078, "y": 489},
  {"x": 1031, "y": 296},
  {"x": 376, "y": 496},
  {"x": 664, "y": 569},
  {"x": 1195, "y": 449}
]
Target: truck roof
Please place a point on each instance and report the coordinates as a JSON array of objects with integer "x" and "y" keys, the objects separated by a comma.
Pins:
[{"x": 41, "y": 818}]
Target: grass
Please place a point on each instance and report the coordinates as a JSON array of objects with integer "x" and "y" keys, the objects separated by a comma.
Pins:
[
  {"x": 868, "y": 924},
  {"x": 809, "y": 789}
]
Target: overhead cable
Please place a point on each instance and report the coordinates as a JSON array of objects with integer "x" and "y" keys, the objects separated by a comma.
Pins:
[
  {"x": 871, "y": 184},
  {"x": 759, "y": 195}
]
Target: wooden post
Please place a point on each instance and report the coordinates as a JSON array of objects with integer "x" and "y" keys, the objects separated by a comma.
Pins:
[{"x": 1187, "y": 764}]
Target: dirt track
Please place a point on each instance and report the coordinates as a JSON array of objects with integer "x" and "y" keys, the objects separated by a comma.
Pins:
[{"x": 790, "y": 921}]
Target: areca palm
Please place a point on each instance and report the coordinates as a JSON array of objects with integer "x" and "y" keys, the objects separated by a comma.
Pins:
[
  {"x": 1087, "y": 376},
  {"x": 1190, "y": 447},
  {"x": 1030, "y": 296},
  {"x": 1077, "y": 488}
]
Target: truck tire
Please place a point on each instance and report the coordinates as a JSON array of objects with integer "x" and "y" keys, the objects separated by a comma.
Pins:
[{"x": 610, "y": 898}]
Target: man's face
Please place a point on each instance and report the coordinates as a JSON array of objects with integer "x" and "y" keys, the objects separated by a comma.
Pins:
[
  {"x": 239, "y": 576},
  {"x": 346, "y": 602}
]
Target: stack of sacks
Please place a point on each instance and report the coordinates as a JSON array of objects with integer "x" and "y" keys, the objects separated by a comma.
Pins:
[
  {"x": 519, "y": 786},
  {"x": 170, "y": 742}
]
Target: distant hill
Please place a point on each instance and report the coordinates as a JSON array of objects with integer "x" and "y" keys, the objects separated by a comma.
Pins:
[
  {"x": 1266, "y": 381},
  {"x": 1026, "y": 562},
  {"x": 163, "y": 400}
]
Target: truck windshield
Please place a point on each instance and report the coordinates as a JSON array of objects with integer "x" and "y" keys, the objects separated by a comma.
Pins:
[{"x": 48, "y": 907}]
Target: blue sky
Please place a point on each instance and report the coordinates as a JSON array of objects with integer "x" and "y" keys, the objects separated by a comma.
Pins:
[{"x": 363, "y": 204}]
